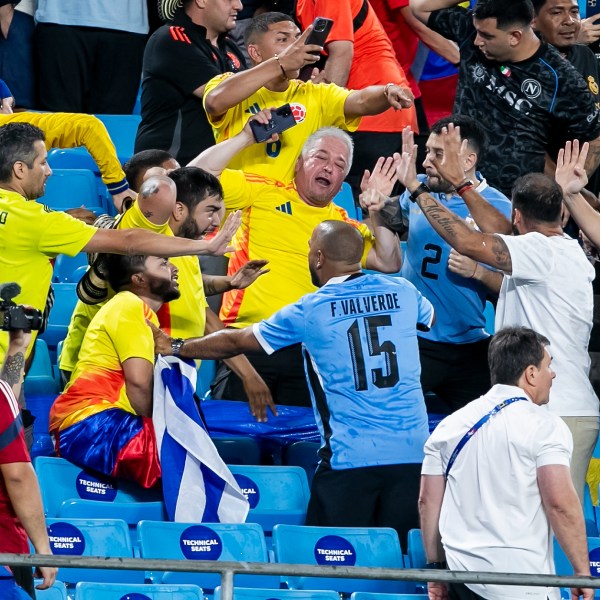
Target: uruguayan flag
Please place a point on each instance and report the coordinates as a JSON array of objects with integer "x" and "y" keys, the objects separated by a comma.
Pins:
[{"x": 197, "y": 485}]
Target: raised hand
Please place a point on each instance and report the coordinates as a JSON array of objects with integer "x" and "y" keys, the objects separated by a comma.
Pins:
[
  {"x": 406, "y": 163},
  {"x": 372, "y": 200},
  {"x": 299, "y": 54},
  {"x": 220, "y": 244},
  {"x": 382, "y": 178},
  {"x": 248, "y": 274},
  {"x": 570, "y": 167},
  {"x": 455, "y": 151}
]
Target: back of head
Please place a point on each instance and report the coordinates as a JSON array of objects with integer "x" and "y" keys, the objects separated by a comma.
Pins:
[
  {"x": 470, "y": 130},
  {"x": 195, "y": 185},
  {"x": 508, "y": 13},
  {"x": 260, "y": 24},
  {"x": 17, "y": 144},
  {"x": 120, "y": 269},
  {"x": 139, "y": 163},
  {"x": 340, "y": 242},
  {"x": 511, "y": 351},
  {"x": 538, "y": 198}
]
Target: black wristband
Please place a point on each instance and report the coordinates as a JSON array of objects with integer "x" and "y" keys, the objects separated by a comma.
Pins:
[
  {"x": 422, "y": 189},
  {"x": 441, "y": 565},
  {"x": 464, "y": 185}
]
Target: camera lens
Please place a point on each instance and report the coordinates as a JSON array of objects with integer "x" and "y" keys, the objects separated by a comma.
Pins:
[{"x": 320, "y": 26}]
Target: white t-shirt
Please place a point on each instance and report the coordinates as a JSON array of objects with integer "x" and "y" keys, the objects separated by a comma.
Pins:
[
  {"x": 492, "y": 518},
  {"x": 550, "y": 291}
]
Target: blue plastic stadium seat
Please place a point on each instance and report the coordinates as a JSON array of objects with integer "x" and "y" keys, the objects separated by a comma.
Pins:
[
  {"x": 92, "y": 537},
  {"x": 340, "y": 546},
  {"x": 209, "y": 541},
  {"x": 108, "y": 591},
  {"x": 40, "y": 378},
  {"x": 66, "y": 486},
  {"x": 264, "y": 594},
  {"x": 490, "y": 317},
  {"x": 73, "y": 188},
  {"x": 345, "y": 199},
  {"x": 416, "y": 552},
  {"x": 122, "y": 130},
  {"x": 276, "y": 494},
  {"x": 238, "y": 450},
  {"x": 206, "y": 374},
  {"x": 303, "y": 454},
  {"x": 69, "y": 269},
  {"x": 58, "y": 591},
  {"x": 65, "y": 299}
]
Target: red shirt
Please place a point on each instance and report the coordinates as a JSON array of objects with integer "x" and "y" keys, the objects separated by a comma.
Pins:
[
  {"x": 404, "y": 40},
  {"x": 12, "y": 450},
  {"x": 374, "y": 61}
]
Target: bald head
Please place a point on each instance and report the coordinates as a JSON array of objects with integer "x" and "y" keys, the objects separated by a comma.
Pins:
[
  {"x": 159, "y": 184},
  {"x": 336, "y": 249}
]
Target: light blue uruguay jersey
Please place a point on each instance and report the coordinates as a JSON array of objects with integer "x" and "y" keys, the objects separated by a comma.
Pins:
[
  {"x": 359, "y": 337},
  {"x": 459, "y": 302}
]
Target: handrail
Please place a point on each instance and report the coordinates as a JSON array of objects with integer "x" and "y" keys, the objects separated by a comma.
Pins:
[{"x": 228, "y": 569}]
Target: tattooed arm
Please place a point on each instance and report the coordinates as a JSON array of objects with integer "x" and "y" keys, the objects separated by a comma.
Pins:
[
  {"x": 483, "y": 247},
  {"x": 14, "y": 361}
]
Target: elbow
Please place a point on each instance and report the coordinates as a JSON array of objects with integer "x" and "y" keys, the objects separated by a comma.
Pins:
[
  {"x": 392, "y": 266},
  {"x": 212, "y": 106}
]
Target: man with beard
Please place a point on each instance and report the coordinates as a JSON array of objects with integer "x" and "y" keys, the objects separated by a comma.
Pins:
[
  {"x": 102, "y": 421},
  {"x": 187, "y": 204},
  {"x": 359, "y": 341},
  {"x": 454, "y": 354}
]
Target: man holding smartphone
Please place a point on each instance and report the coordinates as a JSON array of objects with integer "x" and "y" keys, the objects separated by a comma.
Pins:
[{"x": 278, "y": 52}]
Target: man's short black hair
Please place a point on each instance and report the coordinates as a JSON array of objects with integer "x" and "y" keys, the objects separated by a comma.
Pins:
[
  {"x": 17, "y": 144},
  {"x": 195, "y": 185},
  {"x": 470, "y": 129},
  {"x": 538, "y": 198},
  {"x": 120, "y": 268},
  {"x": 260, "y": 24},
  {"x": 537, "y": 5},
  {"x": 512, "y": 350},
  {"x": 140, "y": 162},
  {"x": 508, "y": 13}
]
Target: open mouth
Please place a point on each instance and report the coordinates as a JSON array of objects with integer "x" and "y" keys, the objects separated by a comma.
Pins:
[{"x": 324, "y": 181}]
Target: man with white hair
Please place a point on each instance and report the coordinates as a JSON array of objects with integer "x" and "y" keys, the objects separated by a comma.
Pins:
[{"x": 277, "y": 221}]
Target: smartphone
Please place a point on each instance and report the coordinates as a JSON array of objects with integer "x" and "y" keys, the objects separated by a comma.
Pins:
[
  {"x": 282, "y": 118},
  {"x": 321, "y": 29}
]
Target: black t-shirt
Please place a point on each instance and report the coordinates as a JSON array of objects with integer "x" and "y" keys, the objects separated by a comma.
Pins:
[
  {"x": 179, "y": 59},
  {"x": 519, "y": 104}
]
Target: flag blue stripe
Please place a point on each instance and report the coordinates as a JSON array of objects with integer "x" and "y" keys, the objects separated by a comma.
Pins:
[
  {"x": 214, "y": 486},
  {"x": 172, "y": 460}
]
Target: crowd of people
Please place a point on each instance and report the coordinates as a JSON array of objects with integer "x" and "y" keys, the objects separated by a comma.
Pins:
[{"x": 497, "y": 203}]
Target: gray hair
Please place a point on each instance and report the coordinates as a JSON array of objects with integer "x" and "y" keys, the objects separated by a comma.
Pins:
[{"x": 334, "y": 132}]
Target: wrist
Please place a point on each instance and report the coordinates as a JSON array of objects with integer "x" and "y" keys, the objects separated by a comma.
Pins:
[
  {"x": 386, "y": 89},
  {"x": 278, "y": 59}
]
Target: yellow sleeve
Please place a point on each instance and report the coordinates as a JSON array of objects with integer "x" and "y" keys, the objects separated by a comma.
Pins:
[
  {"x": 60, "y": 233},
  {"x": 367, "y": 236},
  {"x": 69, "y": 130},
  {"x": 333, "y": 99},
  {"x": 127, "y": 328},
  {"x": 224, "y": 119},
  {"x": 80, "y": 320},
  {"x": 237, "y": 189}
]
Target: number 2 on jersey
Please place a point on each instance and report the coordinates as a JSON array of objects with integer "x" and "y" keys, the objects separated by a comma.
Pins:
[
  {"x": 375, "y": 348},
  {"x": 431, "y": 260}
]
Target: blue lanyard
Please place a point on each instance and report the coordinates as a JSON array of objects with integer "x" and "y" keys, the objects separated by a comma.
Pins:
[{"x": 476, "y": 427}]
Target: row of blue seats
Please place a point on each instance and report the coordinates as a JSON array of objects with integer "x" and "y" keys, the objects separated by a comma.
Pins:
[{"x": 109, "y": 591}]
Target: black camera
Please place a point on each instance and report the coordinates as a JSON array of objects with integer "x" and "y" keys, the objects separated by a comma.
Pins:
[
  {"x": 15, "y": 316},
  {"x": 282, "y": 118}
]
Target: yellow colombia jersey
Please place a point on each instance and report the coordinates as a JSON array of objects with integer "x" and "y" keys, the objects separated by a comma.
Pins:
[
  {"x": 31, "y": 234},
  {"x": 117, "y": 332},
  {"x": 68, "y": 130},
  {"x": 314, "y": 106},
  {"x": 276, "y": 226},
  {"x": 184, "y": 317}
]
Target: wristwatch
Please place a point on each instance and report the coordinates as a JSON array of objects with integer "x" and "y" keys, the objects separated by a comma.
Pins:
[
  {"x": 422, "y": 189},
  {"x": 176, "y": 345}
]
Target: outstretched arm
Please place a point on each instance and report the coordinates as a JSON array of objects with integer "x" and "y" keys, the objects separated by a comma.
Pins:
[
  {"x": 482, "y": 247},
  {"x": 375, "y": 99},
  {"x": 572, "y": 178}
]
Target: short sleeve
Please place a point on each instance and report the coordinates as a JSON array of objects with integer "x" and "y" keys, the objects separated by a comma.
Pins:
[
  {"x": 575, "y": 106},
  {"x": 368, "y": 237},
  {"x": 126, "y": 326},
  {"x": 555, "y": 443},
  {"x": 333, "y": 100},
  {"x": 404, "y": 202},
  {"x": 284, "y": 328},
  {"x": 12, "y": 441},
  {"x": 225, "y": 118},
  {"x": 531, "y": 255},
  {"x": 62, "y": 234},
  {"x": 341, "y": 13},
  {"x": 432, "y": 463},
  {"x": 237, "y": 189},
  {"x": 454, "y": 23},
  {"x": 425, "y": 312}
]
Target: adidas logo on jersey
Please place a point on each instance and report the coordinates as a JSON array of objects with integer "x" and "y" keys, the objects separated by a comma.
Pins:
[
  {"x": 179, "y": 35},
  {"x": 285, "y": 208}
]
